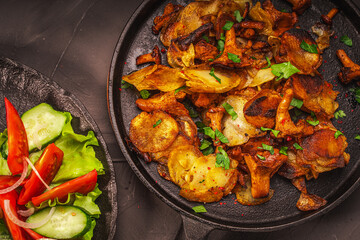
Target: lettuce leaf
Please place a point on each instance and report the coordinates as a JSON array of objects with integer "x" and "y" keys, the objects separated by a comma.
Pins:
[
  {"x": 90, "y": 233},
  {"x": 4, "y": 169},
  {"x": 4, "y": 233}
]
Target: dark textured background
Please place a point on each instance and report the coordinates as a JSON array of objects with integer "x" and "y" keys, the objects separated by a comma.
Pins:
[{"x": 72, "y": 42}]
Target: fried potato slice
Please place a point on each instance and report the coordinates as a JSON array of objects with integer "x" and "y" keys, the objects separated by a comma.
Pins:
[
  {"x": 260, "y": 111},
  {"x": 199, "y": 79},
  {"x": 197, "y": 175},
  {"x": 153, "y": 132},
  {"x": 244, "y": 196},
  {"x": 238, "y": 131},
  {"x": 154, "y": 77},
  {"x": 258, "y": 14},
  {"x": 262, "y": 76},
  {"x": 179, "y": 59},
  {"x": 310, "y": 202}
]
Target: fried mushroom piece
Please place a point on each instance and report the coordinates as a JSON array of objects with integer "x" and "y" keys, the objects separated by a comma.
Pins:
[
  {"x": 291, "y": 51},
  {"x": 350, "y": 71},
  {"x": 170, "y": 11},
  {"x": 291, "y": 169},
  {"x": 204, "y": 100},
  {"x": 180, "y": 58},
  {"x": 164, "y": 101},
  {"x": 283, "y": 120},
  {"x": 299, "y": 6},
  {"x": 281, "y": 21},
  {"x": 260, "y": 111},
  {"x": 316, "y": 94},
  {"x": 231, "y": 47},
  {"x": 153, "y": 132},
  {"x": 262, "y": 170},
  {"x": 154, "y": 56},
  {"x": 323, "y": 152},
  {"x": 156, "y": 77},
  {"x": 205, "y": 51},
  {"x": 197, "y": 176}
]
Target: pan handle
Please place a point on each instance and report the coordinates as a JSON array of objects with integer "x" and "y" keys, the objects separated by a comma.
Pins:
[{"x": 193, "y": 230}]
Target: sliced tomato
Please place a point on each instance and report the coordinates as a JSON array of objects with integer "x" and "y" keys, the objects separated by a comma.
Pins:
[
  {"x": 17, "y": 139},
  {"x": 47, "y": 166},
  {"x": 83, "y": 185},
  {"x": 16, "y": 232}
]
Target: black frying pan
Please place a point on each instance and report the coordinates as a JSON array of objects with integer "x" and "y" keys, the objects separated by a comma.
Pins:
[
  {"x": 26, "y": 88},
  {"x": 280, "y": 212}
]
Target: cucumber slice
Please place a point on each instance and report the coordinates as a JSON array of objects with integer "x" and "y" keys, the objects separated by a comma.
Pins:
[
  {"x": 67, "y": 222},
  {"x": 43, "y": 124}
]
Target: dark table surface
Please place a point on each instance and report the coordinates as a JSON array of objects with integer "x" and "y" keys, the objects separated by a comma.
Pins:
[{"x": 72, "y": 42}]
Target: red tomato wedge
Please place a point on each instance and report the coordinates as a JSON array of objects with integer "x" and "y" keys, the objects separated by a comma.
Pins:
[
  {"x": 83, "y": 185},
  {"x": 17, "y": 139}
]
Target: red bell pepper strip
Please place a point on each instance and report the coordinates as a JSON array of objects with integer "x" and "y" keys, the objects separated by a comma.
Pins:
[
  {"x": 17, "y": 139},
  {"x": 7, "y": 181},
  {"x": 33, "y": 234},
  {"x": 47, "y": 166},
  {"x": 15, "y": 231},
  {"x": 83, "y": 185}
]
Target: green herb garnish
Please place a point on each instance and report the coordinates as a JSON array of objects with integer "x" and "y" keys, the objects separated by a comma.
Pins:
[
  {"x": 199, "y": 209},
  {"x": 205, "y": 144},
  {"x": 125, "y": 85},
  {"x": 283, "y": 151},
  {"x": 357, "y": 137},
  {"x": 345, "y": 39},
  {"x": 228, "y": 25},
  {"x": 233, "y": 57},
  {"x": 202, "y": 181},
  {"x": 144, "y": 94},
  {"x": 337, "y": 134},
  {"x": 206, "y": 38},
  {"x": 260, "y": 157},
  {"x": 157, "y": 123},
  {"x": 267, "y": 148},
  {"x": 212, "y": 73},
  {"x": 179, "y": 89},
  {"x": 192, "y": 112},
  {"x": 209, "y": 132},
  {"x": 296, "y": 103},
  {"x": 309, "y": 48},
  {"x": 220, "y": 46},
  {"x": 238, "y": 16},
  {"x": 297, "y": 146},
  {"x": 313, "y": 123},
  {"x": 208, "y": 151},
  {"x": 269, "y": 63},
  {"x": 230, "y": 110},
  {"x": 221, "y": 136},
  {"x": 284, "y": 70},
  {"x": 275, "y": 132},
  {"x": 222, "y": 159},
  {"x": 339, "y": 114},
  {"x": 357, "y": 93}
]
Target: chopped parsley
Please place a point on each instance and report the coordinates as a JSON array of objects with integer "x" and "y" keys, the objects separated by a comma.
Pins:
[
  {"x": 296, "y": 103},
  {"x": 212, "y": 73},
  {"x": 208, "y": 151},
  {"x": 144, "y": 94},
  {"x": 313, "y": 123},
  {"x": 260, "y": 157},
  {"x": 222, "y": 159},
  {"x": 209, "y": 132},
  {"x": 284, "y": 70},
  {"x": 357, "y": 93},
  {"x": 206, "y": 38},
  {"x": 202, "y": 181},
  {"x": 337, "y": 134},
  {"x": 125, "y": 85},
  {"x": 357, "y": 137},
  {"x": 309, "y": 48},
  {"x": 267, "y": 148},
  {"x": 157, "y": 123},
  {"x": 221, "y": 136},
  {"x": 228, "y": 25},
  {"x": 200, "y": 125},
  {"x": 269, "y": 63},
  {"x": 199, "y": 209},
  {"x": 238, "y": 16},
  {"x": 339, "y": 114},
  {"x": 220, "y": 46},
  {"x": 222, "y": 37},
  {"x": 283, "y": 151},
  {"x": 230, "y": 110},
  {"x": 233, "y": 57},
  {"x": 346, "y": 40},
  {"x": 297, "y": 146},
  {"x": 179, "y": 89},
  {"x": 204, "y": 144},
  {"x": 275, "y": 132}
]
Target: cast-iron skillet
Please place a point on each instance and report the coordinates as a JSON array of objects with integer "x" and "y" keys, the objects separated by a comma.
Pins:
[
  {"x": 26, "y": 88},
  {"x": 280, "y": 211}
]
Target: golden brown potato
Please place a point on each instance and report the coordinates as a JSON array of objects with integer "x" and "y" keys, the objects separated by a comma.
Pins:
[
  {"x": 291, "y": 51},
  {"x": 291, "y": 169},
  {"x": 244, "y": 196},
  {"x": 323, "y": 152},
  {"x": 262, "y": 76},
  {"x": 153, "y": 132},
  {"x": 163, "y": 101},
  {"x": 154, "y": 77},
  {"x": 238, "y": 131},
  {"x": 197, "y": 175},
  {"x": 262, "y": 170},
  {"x": 179, "y": 59},
  {"x": 260, "y": 111},
  {"x": 258, "y": 14},
  {"x": 310, "y": 202},
  {"x": 199, "y": 79}
]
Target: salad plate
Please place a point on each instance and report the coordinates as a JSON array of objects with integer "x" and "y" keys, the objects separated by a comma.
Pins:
[{"x": 26, "y": 88}]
